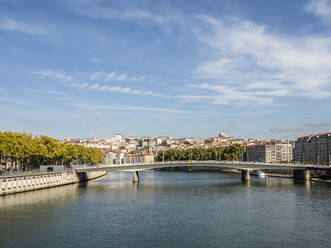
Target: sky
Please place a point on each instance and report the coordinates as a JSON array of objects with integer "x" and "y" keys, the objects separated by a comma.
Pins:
[{"x": 86, "y": 68}]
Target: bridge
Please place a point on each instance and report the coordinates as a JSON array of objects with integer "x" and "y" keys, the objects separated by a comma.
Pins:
[{"x": 300, "y": 171}]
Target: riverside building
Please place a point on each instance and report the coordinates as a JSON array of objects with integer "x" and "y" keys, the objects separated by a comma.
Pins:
[
  {"x": 313, "y": 149},
  {"x": 271, "y": 153}
]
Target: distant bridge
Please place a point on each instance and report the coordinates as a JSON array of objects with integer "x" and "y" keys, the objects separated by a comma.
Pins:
[{"x": 300, "y": 171}]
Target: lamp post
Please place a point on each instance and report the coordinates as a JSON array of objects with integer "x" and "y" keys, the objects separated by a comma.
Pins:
[{"x": 163, "y": 154}]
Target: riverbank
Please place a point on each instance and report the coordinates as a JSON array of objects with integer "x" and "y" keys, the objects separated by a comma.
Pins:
[
  {"x": 24, "y": 183},
  {"x": 320, "y": 180},
  {"x": 269, "y": 173}
]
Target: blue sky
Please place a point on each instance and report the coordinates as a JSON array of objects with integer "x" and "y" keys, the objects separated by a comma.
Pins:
[{"x": 259, "y": 69}]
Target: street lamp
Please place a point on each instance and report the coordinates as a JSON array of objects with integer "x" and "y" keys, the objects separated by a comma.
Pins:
[{"x": 163, "y": 153}]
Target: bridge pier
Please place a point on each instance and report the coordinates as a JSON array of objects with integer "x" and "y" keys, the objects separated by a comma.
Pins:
[
  {"x": 135, "y": 177},
  {"x": 301, "y": 175},
  {"x": 245, "y": 176}
]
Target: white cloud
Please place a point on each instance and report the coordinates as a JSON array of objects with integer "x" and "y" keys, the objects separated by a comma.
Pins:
[
  {"x": 125, "y": 90},
  {"x": 83, "y": 85},
  {"x": 164, "y": 18},
  {"x": 101, "y": 107},
  {"x": 95, "y": 60},
  {"x": 59, "y": 76},
  {"x": 94, "y": 86},
  {"x": 110, "y": 76},
  {"x": 55, "y": 75},
  {"x": 94, "y": 9},
  {"x": 256, "y": 66},
  {"x": 15, "y": 26},
  {"x": 224, "y": 94},
  {"x": 96, "y": 76},
  {"x": 320, "y": 8},
  {"x": 113, "y": 76},
  {"x": 122, "y": 77}
]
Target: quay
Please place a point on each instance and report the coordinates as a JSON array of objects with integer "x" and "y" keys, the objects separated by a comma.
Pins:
[{"x": 40, "y": 180}]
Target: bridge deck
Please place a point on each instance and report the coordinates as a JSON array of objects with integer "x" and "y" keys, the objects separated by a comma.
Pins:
[{"x": 217, "y": 164}]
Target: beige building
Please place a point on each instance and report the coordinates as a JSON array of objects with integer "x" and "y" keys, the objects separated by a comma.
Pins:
[
  {"x": 139, "y": 158},
  {"x": 271, "y": 153},
  {"x": 110, "y": 158}
]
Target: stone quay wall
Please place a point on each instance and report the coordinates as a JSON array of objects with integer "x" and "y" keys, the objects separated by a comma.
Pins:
[{"x": 22, "y": 183}]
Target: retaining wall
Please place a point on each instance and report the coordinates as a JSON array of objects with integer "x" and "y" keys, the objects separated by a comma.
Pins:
[
  {"x": 23, "y": 183},
  {"x": 16, "y": 184}
]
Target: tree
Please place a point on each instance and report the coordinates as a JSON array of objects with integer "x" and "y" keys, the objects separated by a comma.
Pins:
[
  {"x": 232, "y": 152},
  {"x": 26, "y": 152}
]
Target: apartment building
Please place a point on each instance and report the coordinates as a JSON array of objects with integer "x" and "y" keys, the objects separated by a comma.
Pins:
[
  {"x": 271, "y": 153},
  {"x": 314, "y": 149}
]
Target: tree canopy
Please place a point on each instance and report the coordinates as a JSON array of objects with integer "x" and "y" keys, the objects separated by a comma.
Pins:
[
  {"x": 28, "y": 152},
  {"x": 231, "y": 152}
]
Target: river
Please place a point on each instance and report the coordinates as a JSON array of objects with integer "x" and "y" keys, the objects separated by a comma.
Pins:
[{"x": 170, "y": 209}]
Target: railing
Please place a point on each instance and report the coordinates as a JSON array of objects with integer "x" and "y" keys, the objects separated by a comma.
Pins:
[
  {"x": 28, "y": 173},
  {"x": 19, "y": 173}
]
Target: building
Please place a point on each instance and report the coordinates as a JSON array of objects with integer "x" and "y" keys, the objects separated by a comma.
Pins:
[
  {"x": 120, "y": 158},
  {"x": 110, "y": 157},
  {"x": 313, "y": 149},
  {"x": 284, "y": 152},
  {"x": 161, "y": 139},
  {"x": 148, "y": 158},
  {"x": 271, "y": 153},
  {"x": 139, "y": 158},
  {"x": 119, "y": 138}
]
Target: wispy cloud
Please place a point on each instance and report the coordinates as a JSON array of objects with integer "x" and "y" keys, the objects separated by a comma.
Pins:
[
  {"x": 164, "y": 18},
  {"x": 320, "y": 8},
  {"x": 55, "y": 75},
  {"x": 95, "y": 9},
  {"x": 285, "y": 129},
  {"x": 123, "y": 90},
  {"x": 224, "y": 94},
  {"x": 70, "y": 81},
  {"x": 95, "y": 60},
  {"x": 96, "y": 76},
  {"x": 319, "y": 125},
  {"x": 101, "y": 107},
  {"x": 110, "y": 76},
  {"x": 116, "y": 77},
  {"x": 255, "y": 65},
  {"x": 21, "y": 27},
  {"x": 301, "y": 129}
]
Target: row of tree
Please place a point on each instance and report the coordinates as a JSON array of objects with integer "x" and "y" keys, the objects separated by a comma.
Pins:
[
  {"x": 26, "y": 152},
  {"x": 231, "y": 152}
]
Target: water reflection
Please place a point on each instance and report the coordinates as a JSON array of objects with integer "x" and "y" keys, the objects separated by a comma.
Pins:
[
  {"x": 170, "y": 209},
  {"x": 37, "y": 197}
]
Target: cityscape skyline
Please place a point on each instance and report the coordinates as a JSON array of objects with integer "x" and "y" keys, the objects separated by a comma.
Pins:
[{"x": 92, "y": 68}]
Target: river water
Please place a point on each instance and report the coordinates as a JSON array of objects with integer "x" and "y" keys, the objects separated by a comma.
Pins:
[{"x": 170, "y": 209}]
